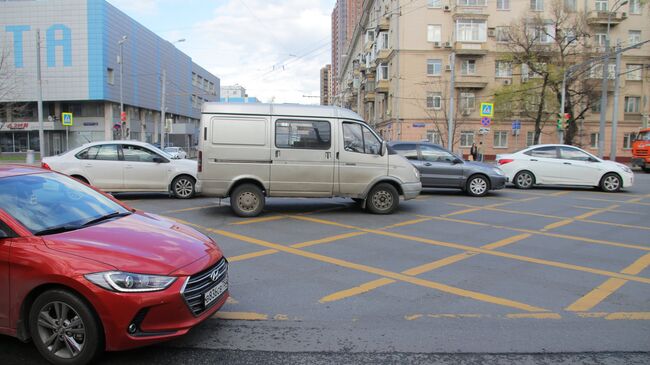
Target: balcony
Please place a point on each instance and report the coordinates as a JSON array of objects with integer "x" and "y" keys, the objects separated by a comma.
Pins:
[
  {"x": 471, "y": 82},
  {"x": 595, "y": 17},
  {"x": 369, "y": 97},
  {"x": 470, "y": 49},
  {"x": 382, "y": 86},
  {"x": 470, "y": 12},
  {"x": 384, "y": 24},
  {"x": 383, "y": 55}
]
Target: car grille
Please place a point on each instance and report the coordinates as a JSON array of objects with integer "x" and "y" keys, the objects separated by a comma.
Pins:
[
  {"x": 200, "y": 283},
  {"x": 641, "y": 152}
]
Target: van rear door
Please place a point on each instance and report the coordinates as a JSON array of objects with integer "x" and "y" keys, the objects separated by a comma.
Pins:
[{"x": 303, "y": 157}]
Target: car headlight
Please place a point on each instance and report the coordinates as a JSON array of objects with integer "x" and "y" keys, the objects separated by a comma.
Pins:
[
  {"x": 626, "y": 169},
  {"x": 129, "y": 282}
]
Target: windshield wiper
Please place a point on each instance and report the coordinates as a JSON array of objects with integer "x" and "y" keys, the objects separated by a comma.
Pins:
[
  {"x": 105, "y": 217},
  {"x": 59, "y": 229}
]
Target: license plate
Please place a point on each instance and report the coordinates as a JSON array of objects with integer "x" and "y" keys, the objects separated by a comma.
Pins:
[{"x": 215, "y": 292}]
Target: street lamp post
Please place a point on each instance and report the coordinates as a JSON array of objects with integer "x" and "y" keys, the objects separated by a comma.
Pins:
[{"x": 120, "y": 60}]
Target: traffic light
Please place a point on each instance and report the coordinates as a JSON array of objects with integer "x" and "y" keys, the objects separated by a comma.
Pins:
[
  {"x": 567, "y": 119},
  {"x": 560, "y": 122}
]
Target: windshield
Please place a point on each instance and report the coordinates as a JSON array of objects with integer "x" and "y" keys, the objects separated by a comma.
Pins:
[
  {"x": 42, "y": 202},
  {"x": 643, "y": 136},
  {"x": 171, "y": 149}
]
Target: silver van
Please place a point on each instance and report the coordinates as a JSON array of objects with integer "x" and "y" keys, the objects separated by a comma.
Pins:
[{"x": 250, "y": 151}]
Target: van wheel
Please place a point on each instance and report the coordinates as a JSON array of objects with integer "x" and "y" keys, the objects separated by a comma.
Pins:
[
  {"x": 247, "y": 200},
  {"x": 64, "y": 328},
  {"x": 383, "y": 199},
  {"x": 183, "y": 187}
]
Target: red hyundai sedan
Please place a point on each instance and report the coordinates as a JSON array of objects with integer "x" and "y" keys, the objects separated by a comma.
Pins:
[{"x": 81, "y": 273}]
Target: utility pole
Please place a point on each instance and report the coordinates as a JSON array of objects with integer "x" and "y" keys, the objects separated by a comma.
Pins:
[
  {"x": 39, "y": 92},
  {"x": 603, "y": 98},
  {"x": 120, "y": 60},
  {"x": 452, "y": 92},
  {"x": 617, "y": 84},
  {"x": 162, "y": 110},
  {"x": 562, "y": 102}
]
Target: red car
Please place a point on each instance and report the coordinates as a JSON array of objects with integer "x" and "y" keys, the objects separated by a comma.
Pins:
[{"x": 81, "y": 273}]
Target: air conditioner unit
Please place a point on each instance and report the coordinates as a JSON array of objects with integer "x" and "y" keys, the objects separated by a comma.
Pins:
[
  {"x": 467, "y": 112},
  {"x": 448, "y": 68},
  {"x": 447, "y": 8},
  {"x": 624, "y": 14},
  {"x": 436, "y": 44},
  {"x": 447, "y": 44},
  {"x": 507, "y": 82},
  {"x": 491, "y": 32}
]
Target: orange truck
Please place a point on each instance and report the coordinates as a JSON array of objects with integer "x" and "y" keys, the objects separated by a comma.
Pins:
[{"x": 641, "y": 150}]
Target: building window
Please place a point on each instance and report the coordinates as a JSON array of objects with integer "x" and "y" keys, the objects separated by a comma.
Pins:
[
  {"x": 472, "y": 2},
  {"x": 593, "y": 140},
  {"x": 194, "y": 78},
  {"x": 628, "y": 138},
  {"x": 595, "y": 106},
  {"x": 471, "y": 30},
  {"x": 537, "y": 5},
  {"x": 601, "y": 5},
  {"x": 434, "y": 33},
  {"x": 370, "y": 36},
  {"x": 632, "y": 104},
  {"x": 503, "y": 4},
  {"x": 541, "y": 33},
  {"x": 466, "y": 138},
  {"x": 596, "y": 71},
  {"x": 434, "y": 101},
  {"x": 635, "y": 6},
  {"x": 503, "y": 69},
  {"x": 503, "y": 34},
  {"x": 434, "y": 67},
  {"x": 110, "y": 75},
  {"x": 467, "y": 102},
  {"x": 434, "y": 137},
  {"x": 530, "y": 138},
  {"x": 382, "y": 38},
  {"x": 600, "y": 39},
  {"x": 634, "y": 72},
  {"x": 570, "y": 5},
  {"x": 434, "y": 3},
  {"x": 382, "y": 71},
  {"x": 468, "y": 67},
  {"x": 634, "y": 37},
  {"x": 500, "y": 139}
]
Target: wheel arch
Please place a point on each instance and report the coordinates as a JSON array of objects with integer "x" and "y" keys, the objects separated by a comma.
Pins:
[
  {"x": 246, "y": 180},
  {"x": 395, "y": 183},
  {"x": 600, "y": 181},
  {"x": 482, "y": 174}
]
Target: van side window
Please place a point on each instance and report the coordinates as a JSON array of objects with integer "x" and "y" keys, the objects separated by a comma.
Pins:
[
  {"x": 313, "y": 135},
  {"x": 359, "y": 139}
]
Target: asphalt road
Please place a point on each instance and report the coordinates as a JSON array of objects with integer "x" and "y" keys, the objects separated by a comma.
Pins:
[{"x": 550, "y": 275}]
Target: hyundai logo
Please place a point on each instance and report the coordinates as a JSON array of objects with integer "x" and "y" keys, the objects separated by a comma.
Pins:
[{"x": 214, "y": 275}]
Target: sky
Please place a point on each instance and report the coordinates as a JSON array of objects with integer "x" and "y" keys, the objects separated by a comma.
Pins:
[{"x": 273, "y": 48}]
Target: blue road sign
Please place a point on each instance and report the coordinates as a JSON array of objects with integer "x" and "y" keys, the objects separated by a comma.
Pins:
[
  {"x": 516, "y": 124},
  {"x": 485, "y": 121}
]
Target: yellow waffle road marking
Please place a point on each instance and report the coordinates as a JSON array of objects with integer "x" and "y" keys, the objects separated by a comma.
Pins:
[
  {"x": 645, "y": 316},
  {"x": 607, "y": 288},
  {"x": 258, "y": 220},
  {"x": 383, "y": 273},
  {"x": 190, "y": 209},
  {"x": 363, "y": 288},
  {"x": 534, "y": 315}
]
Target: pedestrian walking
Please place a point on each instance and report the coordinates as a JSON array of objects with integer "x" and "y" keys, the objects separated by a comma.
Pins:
[
  {"x": 480, "y": 151},
  {"x": 473, "y": 151}
]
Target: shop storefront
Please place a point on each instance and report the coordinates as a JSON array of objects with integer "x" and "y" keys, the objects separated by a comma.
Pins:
[{"x": 15, "y": 137}]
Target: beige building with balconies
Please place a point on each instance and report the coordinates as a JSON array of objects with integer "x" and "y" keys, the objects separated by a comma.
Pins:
[{"x": 398, "y": 69}]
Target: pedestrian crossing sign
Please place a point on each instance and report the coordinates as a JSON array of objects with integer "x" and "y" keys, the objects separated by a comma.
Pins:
[
  {"x": 66, "y": 119},
  {"x": 487, "y": 109}
]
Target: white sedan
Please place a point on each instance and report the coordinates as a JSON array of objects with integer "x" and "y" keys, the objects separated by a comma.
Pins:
[
  {"x": 176, "y": 152},
  {"x": 127, "y": 166},
  {"x": 556, "y": 164}
]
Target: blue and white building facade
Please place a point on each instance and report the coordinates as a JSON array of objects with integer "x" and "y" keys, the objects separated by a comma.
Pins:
[{"x": 81, "y": 74}]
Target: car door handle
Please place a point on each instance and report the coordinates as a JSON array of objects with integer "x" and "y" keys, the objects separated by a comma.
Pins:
[
  {"x": 328, "y": 155},
  {"x": 567, "y": 163},
  {"x": 350, "y": 164},
  {"x": 88, "y": 165},
  {"x": 532, "y": 159},
  {"x": 277, "y": 153}
]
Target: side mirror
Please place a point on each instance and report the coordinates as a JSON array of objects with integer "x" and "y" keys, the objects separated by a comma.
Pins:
[
  {"x": 591, "y": 159},
  {"x": 383, "y": 148},
  {"x": 457, "y": 161},
  {"x": 159, "y": 160}
]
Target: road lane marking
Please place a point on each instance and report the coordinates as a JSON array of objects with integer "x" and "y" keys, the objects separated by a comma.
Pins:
[
  {"x": 363, "y": 288},
  {"x": 629, "y": 316},
  {"x": 534, "y": 316},
  {"x": 562, "y": 223},
  {"x": 190, "y": 209},
  {"x": 489, "y": 252},
  {"x": 645, "y": 316},
  {"x": 561, "y": 193},
  {"x": 382, "y": 273},
  {"x": 607, "y": 288},
  {"x": 248, "y": 256},
  {"x": 418, "y": 270},
  {"x": 568, "y": 221},
  {"x": 258, "y": 220},
  {"x": 611, "y": 211}
]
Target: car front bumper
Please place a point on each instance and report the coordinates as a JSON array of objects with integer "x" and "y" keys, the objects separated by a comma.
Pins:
[
  {"x": 158, "y": 316},
  {"x": 411, "y": 190},
  {"x": 498, "y": 182},
  {"x": 628, "y": 180}
]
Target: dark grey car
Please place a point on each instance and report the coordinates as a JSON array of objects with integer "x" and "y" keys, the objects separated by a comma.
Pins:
[{"x": 440, "y": 168}]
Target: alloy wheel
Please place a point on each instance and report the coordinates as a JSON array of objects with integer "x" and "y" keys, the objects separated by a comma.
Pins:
[
  {"x": 524, "y": 180},
  {"x": 478, "y": 186},
  {"x": 611, "y": 183},
  {"x": 183, "y": 188},
  {"x": 61, "y": 330}
]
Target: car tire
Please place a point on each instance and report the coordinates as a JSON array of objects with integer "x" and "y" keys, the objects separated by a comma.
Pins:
[
  {"x": 64, "y": 328},
  {"x": 477, "y": 185},
  {"x": 524, "y": 180},
  {"x": 382, "y": 199},
  {"x": 247, "y": 200},
  {"x": 611, "y": 183},
  {"x": 183, "y": 187}
]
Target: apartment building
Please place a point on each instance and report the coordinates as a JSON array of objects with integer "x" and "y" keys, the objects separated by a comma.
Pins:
[
  {"x": 398, "y": 69},
  {"x": 326, "y": 85},
  {"x": 345, "y": 19}
]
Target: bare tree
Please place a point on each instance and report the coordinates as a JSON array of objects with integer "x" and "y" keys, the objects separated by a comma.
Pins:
[
  {"x": 543, "y": 48},
  {"x": 8, "y": 88}
]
